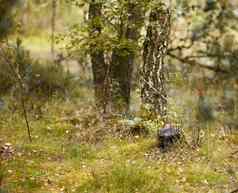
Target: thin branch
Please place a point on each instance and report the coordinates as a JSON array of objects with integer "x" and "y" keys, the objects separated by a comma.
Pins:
[
  {"x": 235, "y": 152},
  {"x": 54, "y": 4},
  {"x": 21, "y": 84},
  {"x": 207, "y": 55},
  {"x": 186, "y": 60},
  {"x": 181, "y": 47}
]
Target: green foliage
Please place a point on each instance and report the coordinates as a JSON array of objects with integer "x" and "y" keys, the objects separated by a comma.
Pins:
[
  {"x": 49, "y": 79},
  {"x": 13, "y": 58},
  {"x": 114, "y": 23},
  {"x": 198, "y": 175},
  {"x": 81, "y": 152},
  {"x": 30, "y": 184},
  {"x": 2, "y": 174}
]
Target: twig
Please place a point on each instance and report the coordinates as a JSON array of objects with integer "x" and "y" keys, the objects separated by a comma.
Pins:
[{"x": 235, "y": 152}]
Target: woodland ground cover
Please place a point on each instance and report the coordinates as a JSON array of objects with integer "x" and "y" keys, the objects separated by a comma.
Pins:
[
  {"x": 75, "y": 147},
  {"x": 72, "y": 152}
]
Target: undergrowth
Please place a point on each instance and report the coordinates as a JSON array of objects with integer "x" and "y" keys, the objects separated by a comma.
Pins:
[
  {"x": 75, "y": 151},
  {"x": 41, "y": 78}
]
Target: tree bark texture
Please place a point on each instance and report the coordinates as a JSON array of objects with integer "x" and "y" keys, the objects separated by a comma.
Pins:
[
  {"x": 153, "y": 83},
  {"x": 123, "y": 60},
  {"x": 99, "y": 66}
]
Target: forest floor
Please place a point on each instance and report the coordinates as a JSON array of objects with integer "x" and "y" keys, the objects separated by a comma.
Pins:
[{"x": 74, "y": 151}]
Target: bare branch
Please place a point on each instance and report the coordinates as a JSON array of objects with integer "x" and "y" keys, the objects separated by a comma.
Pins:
[
  {"x": 21, "y": 84},
  {"x": 181, "y": 47},
  {"x": 186, "y": 60}
]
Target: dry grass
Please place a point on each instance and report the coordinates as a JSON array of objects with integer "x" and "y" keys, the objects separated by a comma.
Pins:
[{"x": 75, "y": 151}]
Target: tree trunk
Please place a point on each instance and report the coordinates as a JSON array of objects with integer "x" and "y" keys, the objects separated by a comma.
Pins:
[
  {"x": 97, "y": 55},
  {"x": 153, "y": 91},
  {"x": 121, "y": 72},
  {"x": 123, "y": 60},
  {"x": 6, "y": 19},
  {"x": 53, "y": 25}
]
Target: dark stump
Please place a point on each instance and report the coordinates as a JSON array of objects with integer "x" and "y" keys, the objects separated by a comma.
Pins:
[{"x": 167, "y": 137}]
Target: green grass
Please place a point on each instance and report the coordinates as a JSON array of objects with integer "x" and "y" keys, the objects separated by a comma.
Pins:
[
  {"x": 56, "y": 161},
  {"x": 124, "y": 178}
]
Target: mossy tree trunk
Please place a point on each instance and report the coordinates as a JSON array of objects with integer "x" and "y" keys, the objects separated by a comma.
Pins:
[
  {"x": 123, "y": 59},
  {"x": 97, "y": 54}
]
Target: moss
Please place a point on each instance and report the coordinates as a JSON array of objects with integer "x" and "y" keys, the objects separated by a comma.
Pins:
[{"x": 55, "y": 161}]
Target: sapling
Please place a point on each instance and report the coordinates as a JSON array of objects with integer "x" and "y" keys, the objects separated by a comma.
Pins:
[{"x": 20, "y": 81}]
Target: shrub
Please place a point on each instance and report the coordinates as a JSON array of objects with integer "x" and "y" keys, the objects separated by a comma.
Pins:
[
  {"x": 41, "y": 78},
  {"x": 13, "y": 58},
  {"x": 48, "y": 79}
]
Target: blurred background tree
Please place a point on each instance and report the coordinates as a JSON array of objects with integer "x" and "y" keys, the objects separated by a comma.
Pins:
[
  {"x": 6, "y": 17},
  {"x": 204, "y": 43}
]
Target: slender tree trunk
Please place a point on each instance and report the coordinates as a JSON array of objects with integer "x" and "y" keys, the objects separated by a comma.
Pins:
[
  {"x": 99, "y": 66},
  {"x": 53, "y": 18},
  {"x": 123, "y": 61},
  {"x": 153, "y": 91}
]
